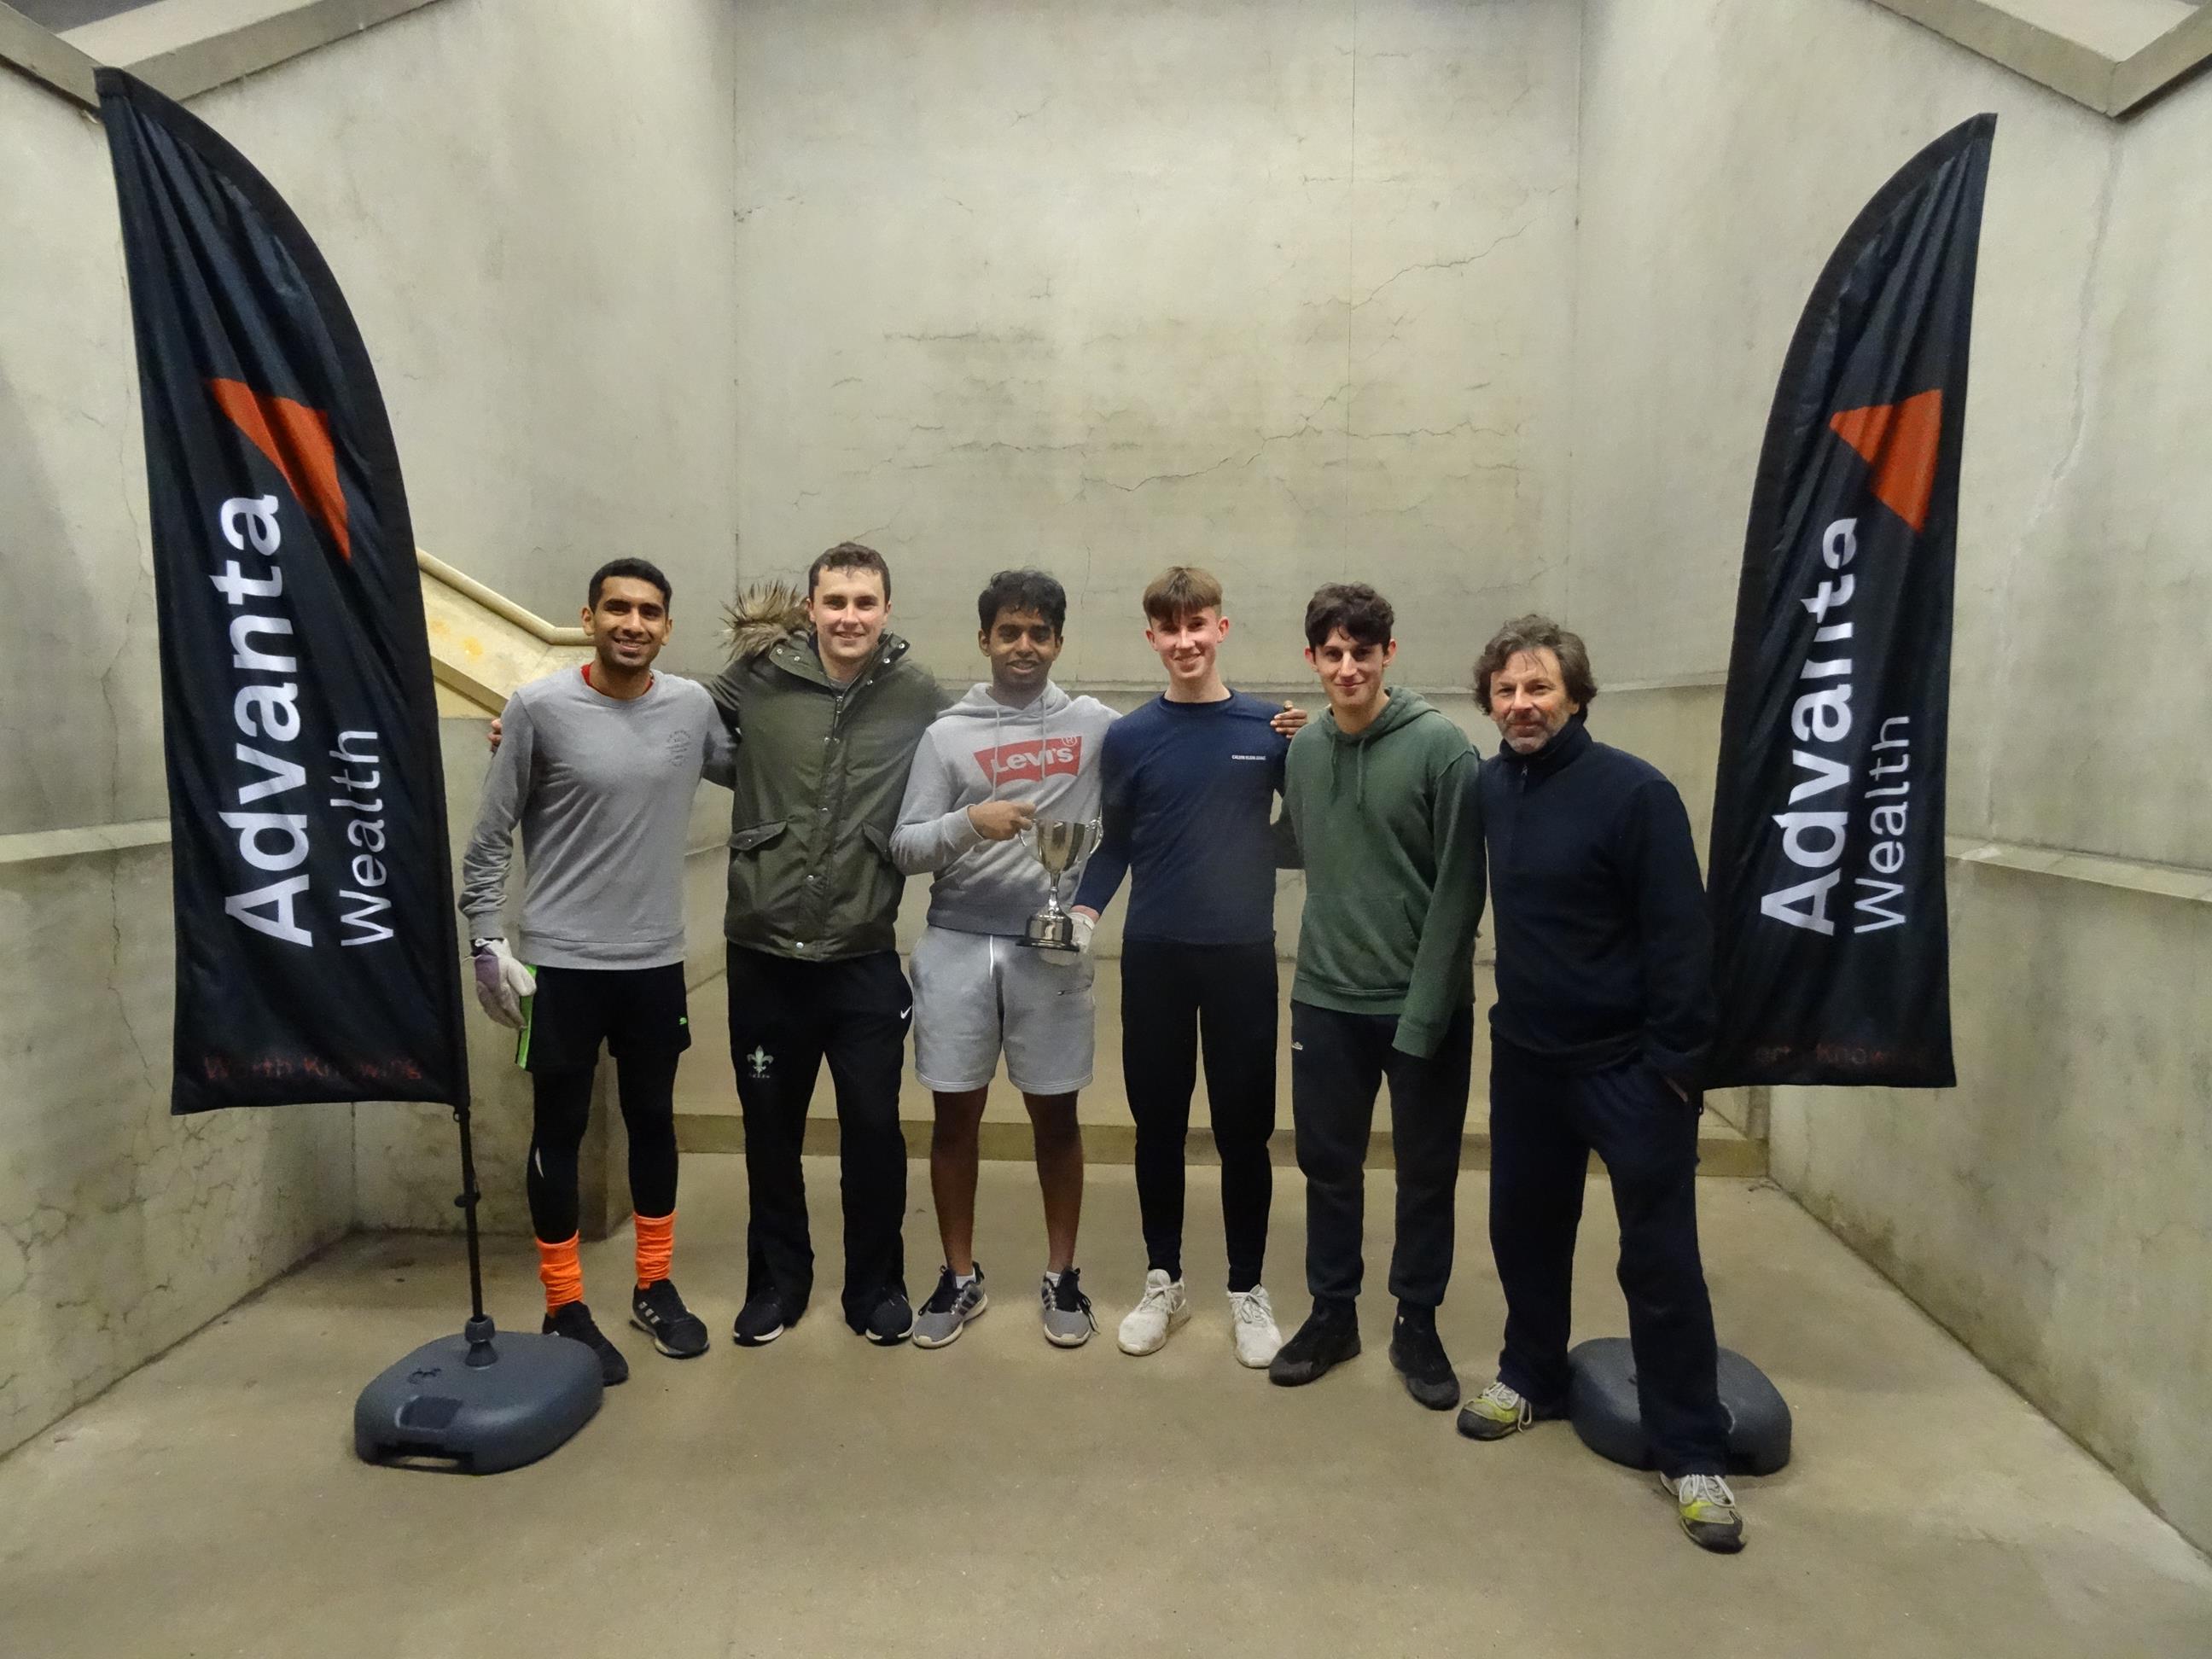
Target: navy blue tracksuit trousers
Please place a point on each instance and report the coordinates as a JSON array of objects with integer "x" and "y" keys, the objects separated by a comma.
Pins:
[{"x": 1544, "y": 1123}]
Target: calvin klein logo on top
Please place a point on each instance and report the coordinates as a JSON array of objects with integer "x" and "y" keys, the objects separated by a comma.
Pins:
[{"x": 1039, "y": 757}]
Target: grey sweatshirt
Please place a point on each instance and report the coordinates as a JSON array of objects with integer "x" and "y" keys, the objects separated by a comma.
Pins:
[
  {"x": 979, "y": 750},
  {"x": 602, "y": 786}
]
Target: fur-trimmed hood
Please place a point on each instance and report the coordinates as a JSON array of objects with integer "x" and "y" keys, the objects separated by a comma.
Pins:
[{"x": 765, "y": 615}]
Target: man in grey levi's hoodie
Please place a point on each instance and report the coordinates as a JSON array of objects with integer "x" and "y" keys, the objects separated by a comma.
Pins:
[{"x": 1011, "y": 753}]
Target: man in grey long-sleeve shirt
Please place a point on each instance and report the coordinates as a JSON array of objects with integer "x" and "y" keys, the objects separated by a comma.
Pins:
[
  {"x": 1007, "y": 754},
  {"x": 599, "y": 766}
]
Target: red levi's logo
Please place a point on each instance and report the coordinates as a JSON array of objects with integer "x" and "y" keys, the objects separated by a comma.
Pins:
[{"x": 1039, "y": 758}]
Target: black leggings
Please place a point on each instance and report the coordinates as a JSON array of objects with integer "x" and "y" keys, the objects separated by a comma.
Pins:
[
  {"x": 647, "y": 1084},
  {"x": 1170, "y": 995}
]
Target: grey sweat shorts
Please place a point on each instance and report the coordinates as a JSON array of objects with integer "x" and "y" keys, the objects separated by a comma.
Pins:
[{"x": 977, "y": 993}]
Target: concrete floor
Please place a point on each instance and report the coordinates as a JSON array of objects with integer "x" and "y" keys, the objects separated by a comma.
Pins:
[{"x": 823, "y": 1497}]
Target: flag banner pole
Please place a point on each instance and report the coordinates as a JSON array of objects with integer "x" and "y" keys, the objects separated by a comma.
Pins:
[
  {"x": 318, "y": 959},
  {"x": 1826, "y": 866}
]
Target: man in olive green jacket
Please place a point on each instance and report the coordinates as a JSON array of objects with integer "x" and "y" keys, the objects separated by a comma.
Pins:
[{"x": 828, "y": 709}]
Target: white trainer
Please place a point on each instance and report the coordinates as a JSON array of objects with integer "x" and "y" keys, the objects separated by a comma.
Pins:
[
  {"x": 1253, "y": 1317},
  {"x": 1162, "y": 1308}
]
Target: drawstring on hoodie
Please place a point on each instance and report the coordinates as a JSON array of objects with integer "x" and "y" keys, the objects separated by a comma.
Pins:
[
  {"x": 1383, "y": 724},
  {"x": 998, "y": 719},
  {"x": 1359, "y": 746}
]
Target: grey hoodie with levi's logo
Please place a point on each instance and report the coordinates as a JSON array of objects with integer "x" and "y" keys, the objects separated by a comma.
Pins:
[{"x": 1045, "y": 752}]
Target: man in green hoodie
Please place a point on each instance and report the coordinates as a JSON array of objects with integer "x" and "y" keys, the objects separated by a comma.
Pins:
[{"x": 1381, "y": 797}]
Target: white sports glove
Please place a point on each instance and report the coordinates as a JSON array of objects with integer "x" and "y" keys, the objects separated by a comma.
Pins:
[
  {"x": 501, "y": 982},
  {"x": 1083, "y": 928}
]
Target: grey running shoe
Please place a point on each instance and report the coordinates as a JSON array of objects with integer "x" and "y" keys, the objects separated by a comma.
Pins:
[
  {"x": 1496, "y": 1412},
  {"x": 1707, "y": 1511},
  {"x": 948, "y": 1311},
  {"x": 1068, "y": 1318}
]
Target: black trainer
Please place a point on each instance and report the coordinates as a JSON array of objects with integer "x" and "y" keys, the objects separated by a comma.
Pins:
[
  {"x": 765, "y": 1317},
  {"x": 1329, "y": 1337},
  {"x": 676, "y": 1331},
  {"x": 891, "y": 1321},
  {"x": 573, "y": 1321},
  {"x": 1419, "y": 1354}
]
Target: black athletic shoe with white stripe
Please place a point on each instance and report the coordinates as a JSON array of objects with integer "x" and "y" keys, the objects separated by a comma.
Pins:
[
  {"x": 573, "y": 1321},
  {"x": 676, "y": 1331}
]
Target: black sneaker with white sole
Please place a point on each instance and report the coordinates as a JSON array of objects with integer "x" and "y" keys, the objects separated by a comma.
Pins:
[
  {"x": 765, "y": 1317},
  {"x": 891, "y": 1319},
  {"x": 676, "y": 1331},
  {"x": 573, "y": 1321}
]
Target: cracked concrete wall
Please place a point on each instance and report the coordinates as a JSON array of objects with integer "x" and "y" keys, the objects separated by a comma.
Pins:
[
  {"x": 124, "y": 1230},
  {"x": 532, "y": 225},
  {"x": 2051, "y": 1211},
  {"x": 1279, "y": 289}
]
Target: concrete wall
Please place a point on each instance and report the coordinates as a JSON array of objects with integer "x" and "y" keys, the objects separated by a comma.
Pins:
[
  {"x": 532, "y": 225},
  {"x": 1279, "y": 286},
  {"x": 123, "y": 1230},
  {"x": 2051, "y": 1211}
]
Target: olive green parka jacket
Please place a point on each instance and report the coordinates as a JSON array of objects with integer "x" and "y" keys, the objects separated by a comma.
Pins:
[{"x": 821, "y": 769}]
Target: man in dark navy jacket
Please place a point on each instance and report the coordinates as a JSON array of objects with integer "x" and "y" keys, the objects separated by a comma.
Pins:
[{"x": 1603, "y": 1016}]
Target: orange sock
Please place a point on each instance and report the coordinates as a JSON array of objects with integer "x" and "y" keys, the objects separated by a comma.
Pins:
[
  {"x": 563, "y": 1273},
  {"x": 656, "y": 1246}
]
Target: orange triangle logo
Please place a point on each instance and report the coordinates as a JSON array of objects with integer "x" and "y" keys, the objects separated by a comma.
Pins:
[
  {"x": 297, "y": 442},
  {"x": 1900, "y": 442}
]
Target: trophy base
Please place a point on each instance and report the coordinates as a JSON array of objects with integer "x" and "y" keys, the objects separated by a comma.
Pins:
[{"x": 1050, "y": 933}]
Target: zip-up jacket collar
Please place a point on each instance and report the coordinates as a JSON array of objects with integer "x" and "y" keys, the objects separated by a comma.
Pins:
[
  {"x": 800, "y": 656},
  {"x": 1565, "y": 746}
]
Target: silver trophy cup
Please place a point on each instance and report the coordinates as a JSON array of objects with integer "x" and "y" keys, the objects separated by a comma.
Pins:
[{"x": 1058, "y": 844}]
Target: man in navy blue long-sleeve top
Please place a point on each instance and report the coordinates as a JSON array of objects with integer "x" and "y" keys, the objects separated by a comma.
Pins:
[
  {"x": 1603, "y": 1017},
  {"x": 1189, "y": 781}
]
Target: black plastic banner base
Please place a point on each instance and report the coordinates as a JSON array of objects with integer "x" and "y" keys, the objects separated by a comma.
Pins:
[
  {"x": 524, "y": 1396},
  {"x": 1601, "y": 1403}
]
